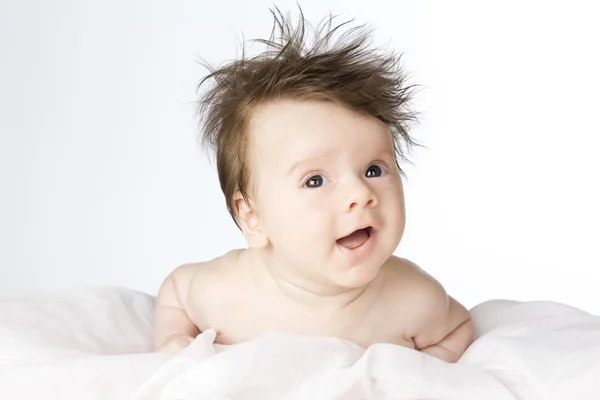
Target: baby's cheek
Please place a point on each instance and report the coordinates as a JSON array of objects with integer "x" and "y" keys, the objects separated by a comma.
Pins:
[{"x": 394, "y": 220}]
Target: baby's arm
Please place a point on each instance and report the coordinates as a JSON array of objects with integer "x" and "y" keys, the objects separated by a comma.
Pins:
[
  {"x": 455, "y": 329},
  {"x": 173, "y": 329},
  {"x": 442, "y": 326}
]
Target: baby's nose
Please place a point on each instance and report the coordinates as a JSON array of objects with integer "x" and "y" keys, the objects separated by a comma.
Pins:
[{"x": 359, "y": 196}]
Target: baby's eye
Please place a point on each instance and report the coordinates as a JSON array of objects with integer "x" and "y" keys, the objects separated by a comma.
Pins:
[
  {"x": 315, "y": 181},
  {"x": 374, "y": 171}
]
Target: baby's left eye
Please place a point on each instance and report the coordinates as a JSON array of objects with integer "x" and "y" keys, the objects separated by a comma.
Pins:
[{"x": 374, "y": 171}]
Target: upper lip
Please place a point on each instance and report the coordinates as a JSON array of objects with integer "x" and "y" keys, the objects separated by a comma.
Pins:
[{"x": 365, "y": 226}]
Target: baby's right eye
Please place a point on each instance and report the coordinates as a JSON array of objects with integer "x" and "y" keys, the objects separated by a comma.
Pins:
[{"x": 315, "y": 181}]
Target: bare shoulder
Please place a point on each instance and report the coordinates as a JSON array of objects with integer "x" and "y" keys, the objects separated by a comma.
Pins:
[
  {"x": 216, "y": 268},
  {"x": 195, "y": 278},
  {"x": 413, "y": 294},
  {"x": 200, "y": 286},
  {"x": 407, "y": 279},
  {"x": 429, "y": 313}
]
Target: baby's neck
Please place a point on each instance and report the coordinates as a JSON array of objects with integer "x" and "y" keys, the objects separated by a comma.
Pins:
[{"x": 303, "y": 291}]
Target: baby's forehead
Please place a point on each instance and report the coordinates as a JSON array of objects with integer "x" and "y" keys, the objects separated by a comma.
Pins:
[
  {"x": 275, "y": 144},
  {"x": 291, "y": 136},
  {"x": 281, "y": 127},
  {"x": 281, "y": 117},
  {"x": 311, "y": 123}
]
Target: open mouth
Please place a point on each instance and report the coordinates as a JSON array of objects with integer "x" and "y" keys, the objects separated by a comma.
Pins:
[{"x": 356, "y": 238}]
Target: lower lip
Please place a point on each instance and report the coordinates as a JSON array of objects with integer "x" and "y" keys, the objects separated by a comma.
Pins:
[{"x": 361, "y": 250}]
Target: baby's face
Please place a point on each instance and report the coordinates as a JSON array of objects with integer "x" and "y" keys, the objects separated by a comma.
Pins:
[{"x": 327, "y": 190}]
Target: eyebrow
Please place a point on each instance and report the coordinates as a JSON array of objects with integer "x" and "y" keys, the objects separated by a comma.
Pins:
[
  {"x": 380, "y": 152},
  {"x": 299, "y": 164}
]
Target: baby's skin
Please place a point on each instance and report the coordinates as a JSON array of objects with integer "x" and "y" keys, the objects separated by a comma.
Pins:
[{"x": 323, "y": 218}]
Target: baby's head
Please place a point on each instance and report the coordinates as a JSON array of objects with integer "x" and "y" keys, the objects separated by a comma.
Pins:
[{"x": 308, "y": 143}]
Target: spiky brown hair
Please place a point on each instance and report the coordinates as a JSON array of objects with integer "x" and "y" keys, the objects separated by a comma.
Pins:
[{"x": 347, "y": 71}]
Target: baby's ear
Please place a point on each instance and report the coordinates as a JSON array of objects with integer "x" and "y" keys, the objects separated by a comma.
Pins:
[{"x": 249, "y": 222}]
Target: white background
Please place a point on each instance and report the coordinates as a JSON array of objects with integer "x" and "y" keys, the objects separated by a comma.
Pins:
[{"x": 104, "y": 183}]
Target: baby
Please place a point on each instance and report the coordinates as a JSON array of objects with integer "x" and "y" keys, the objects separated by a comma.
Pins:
[{"x": 307, "y": 146}]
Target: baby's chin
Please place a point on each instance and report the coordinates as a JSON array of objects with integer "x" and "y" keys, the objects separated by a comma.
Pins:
[{"x": 357, "y": 276}]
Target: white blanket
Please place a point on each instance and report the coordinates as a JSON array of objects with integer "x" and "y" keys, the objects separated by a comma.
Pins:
[{"x": 96, "y": 344}]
